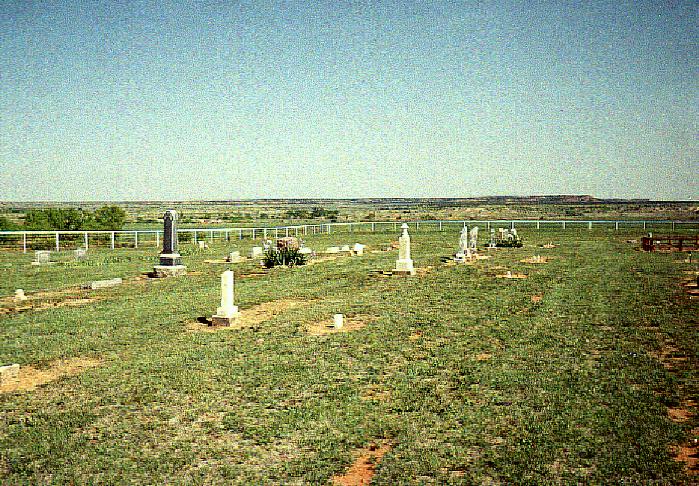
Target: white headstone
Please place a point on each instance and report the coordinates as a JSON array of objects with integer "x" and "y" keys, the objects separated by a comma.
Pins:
[
  {"x": 358, "y": 249},
  {"x": 234, "y": 257},
  {"x": 19, "y": 295},
  {"x": 345, "y": 248},
  {"x": 256, "y": 252},
  {"x": 305, "y": 250},
  {"x": 333, "y": 249},
  {"x": 227, "y": 311},
  {"x": 338, "y": 321},
  {"x": 404, "y": 264}
]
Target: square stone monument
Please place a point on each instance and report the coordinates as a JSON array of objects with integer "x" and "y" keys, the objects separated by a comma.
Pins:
[
  {"x": 170, "y": 259},
  {"x": 404, "y": 264}
]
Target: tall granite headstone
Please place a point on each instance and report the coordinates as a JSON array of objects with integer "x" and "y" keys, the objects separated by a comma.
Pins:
[{"x": 170, "y": 259}]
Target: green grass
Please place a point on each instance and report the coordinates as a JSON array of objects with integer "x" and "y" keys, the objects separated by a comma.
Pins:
[{"x": 570, "y": 392}]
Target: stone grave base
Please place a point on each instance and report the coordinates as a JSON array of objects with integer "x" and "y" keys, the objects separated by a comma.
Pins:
[
  {"x": 403, "y": 272},
  {"x": 218, "y": 321},
  {"x": 162, "y": 271}
]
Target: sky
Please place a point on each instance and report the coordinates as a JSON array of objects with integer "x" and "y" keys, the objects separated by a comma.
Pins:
[{"x": 160, "y": 100}]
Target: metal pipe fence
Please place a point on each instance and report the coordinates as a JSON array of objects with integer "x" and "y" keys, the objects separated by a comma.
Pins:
[{"x": 64, "y": 240}]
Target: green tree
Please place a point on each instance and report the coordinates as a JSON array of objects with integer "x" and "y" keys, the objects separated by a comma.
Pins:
[
  {"x": 6, "y": 224},
  {"x": 110, "y": 218}
]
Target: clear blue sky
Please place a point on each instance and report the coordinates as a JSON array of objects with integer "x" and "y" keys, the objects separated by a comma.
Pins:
[{"x": 223, "y": 99}]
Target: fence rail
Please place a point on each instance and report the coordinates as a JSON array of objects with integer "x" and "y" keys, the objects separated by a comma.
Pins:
[{"x": 133, "y": 238}]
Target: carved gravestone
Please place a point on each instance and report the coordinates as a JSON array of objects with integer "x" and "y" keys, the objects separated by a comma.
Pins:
[{"x": 170, "y": 259}]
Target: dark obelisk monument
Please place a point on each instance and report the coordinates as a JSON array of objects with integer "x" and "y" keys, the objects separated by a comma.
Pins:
[{"x": 170, "y": 259}]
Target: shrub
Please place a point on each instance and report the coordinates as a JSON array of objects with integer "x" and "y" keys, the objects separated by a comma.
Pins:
[{"x": 283, "y": 256}]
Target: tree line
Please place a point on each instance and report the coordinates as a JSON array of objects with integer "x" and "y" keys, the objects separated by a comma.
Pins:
[{"x": 68, "y": 219}]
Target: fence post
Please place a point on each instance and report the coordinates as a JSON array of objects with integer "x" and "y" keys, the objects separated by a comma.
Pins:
[
  {"x": 157, "y": 239},
  {"x": 644, "y": 225},
  {"x": 112, "y": 240},
  {"x": 373, "y": 227},
  {"x": 538, "y": 223},
  {"x": 673, "y": 226},
  {"x": 240, "y": 234},
  {"x": 24, "y": 243},
  {"x": 616, "y": 225},
  {"x": 564, "y": 224},
  {"x": 58, "y": 245},
  {"x": 589, "y": 225},
  {"x": 488, "y": 225},
  {"x": 195, "y": 237},
  {"x": 287, "y": 231},
  {"x": 86, "y": 244},
  {"x": 440, "y": 226},
  {"x": 135, "y": 239},
  {"x": 253, "y": 233},
  {"x": 417, "y": 225}
]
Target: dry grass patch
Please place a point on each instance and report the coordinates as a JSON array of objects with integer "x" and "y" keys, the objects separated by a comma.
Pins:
[
  {"x": 251, "y": 317},
  {"x": 511, "y": 275},
  {"x": 350, "y": 324},
  {"x": 31, "y": 377},
  {"x": 364, "y": 467},
  {"x": 688, "y": 453}
]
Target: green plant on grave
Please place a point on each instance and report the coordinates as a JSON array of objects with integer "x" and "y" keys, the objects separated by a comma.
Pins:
[
  {"x": 512, "y": 243},
  {"x": 283, "y": 256}
]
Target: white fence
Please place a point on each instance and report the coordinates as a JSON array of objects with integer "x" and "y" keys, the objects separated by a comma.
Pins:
[{"x": 133, "y": 238}]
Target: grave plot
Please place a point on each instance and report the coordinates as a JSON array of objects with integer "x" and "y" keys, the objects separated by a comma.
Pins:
[{"x": 30, "y": 377}]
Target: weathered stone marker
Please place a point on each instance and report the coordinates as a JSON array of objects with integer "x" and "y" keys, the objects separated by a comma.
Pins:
[
  {"x": 9, "y": 374},
  {"x": 234, "y": 257},
  {"x": 464, "y": 248},
  {"x": 256, "y": 252},
  {"x": 338, "y": 321},
  {"x": 358, "y": 249},
  {"x": 170, "y": 259},
  {"x": 227, "y": 313},
  {"x": 19, "y": 295},
  {"x": 103, "y": 284},
  {"x": 404, "y": 264},
  {"x": 42, "y": 257}
]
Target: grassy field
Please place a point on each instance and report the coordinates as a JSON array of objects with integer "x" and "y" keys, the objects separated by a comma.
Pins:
[{"x": 583, "y": 372}]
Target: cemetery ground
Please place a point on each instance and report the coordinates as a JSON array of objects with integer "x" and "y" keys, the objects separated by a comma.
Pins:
[{"x": 584, "y": 371}]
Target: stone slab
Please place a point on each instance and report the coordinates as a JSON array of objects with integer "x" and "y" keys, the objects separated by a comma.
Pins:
[
  {"x": 103, "y": 284},
  {"x": 9, "y": 374},
  {"x": 162, "y": 271}
]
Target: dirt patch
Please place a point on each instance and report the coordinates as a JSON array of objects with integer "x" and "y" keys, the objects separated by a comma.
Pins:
[
  {"x": 682, "y": 413},
  {"x": 31, "y": 377},
  {"x": 376, "y": 393},
  {"x": 36, "y": 302},
  {"x": 415, "y": 336},
  {"x": 350, "y": 324},
  {"x": 670, "y": 357},
  {"x": 537, "y": 298},
  {"x": 511, "y": 275},
  {"x": 323, "y": 259},
  {"x": 535, "y": 260},
  {"x": 364, "y": 467},
  {"x": 250, "y": 317},
  {"x": 688, "y": 453}
]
